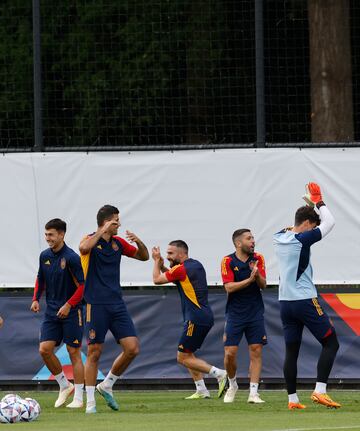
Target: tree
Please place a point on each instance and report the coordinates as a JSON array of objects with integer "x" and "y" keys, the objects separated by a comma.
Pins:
[{"x": 330, "y": 71}]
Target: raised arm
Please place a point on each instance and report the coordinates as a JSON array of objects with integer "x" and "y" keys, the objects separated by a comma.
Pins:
[
  {"x": 89, "y": 242},
  {"x": 159, "y": 270},
  {"x": 142, "y": 252}
]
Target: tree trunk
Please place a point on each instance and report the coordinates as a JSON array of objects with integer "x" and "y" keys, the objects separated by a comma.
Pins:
[
  {"x": 330, "y": 71},
  {"x": 198, "y": 62}
]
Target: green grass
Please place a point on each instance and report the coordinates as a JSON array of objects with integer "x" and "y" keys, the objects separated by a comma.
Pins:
[{"x": 167, "y": 410}]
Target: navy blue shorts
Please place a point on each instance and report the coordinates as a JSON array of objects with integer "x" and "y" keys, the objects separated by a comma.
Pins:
[
  {"x": 69, "y": 330},
  {"x": 192, "y": 337},
  {"x": 101, "y": 318},
  {"x": 305, "y": 312},
  {"x": 254, "y": 332}
]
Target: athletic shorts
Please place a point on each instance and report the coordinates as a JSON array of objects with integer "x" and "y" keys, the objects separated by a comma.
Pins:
[
  {"x": 254, "y": 332},
  {"x": 192, "y": 337},
  {"x": 69, "y": 330},
  {"x": 101, "y": 318},
  {"x": 305, "y": 312}
]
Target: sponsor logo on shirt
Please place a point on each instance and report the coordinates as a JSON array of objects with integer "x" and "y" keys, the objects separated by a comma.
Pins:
[
  {"x": 47, "y": 262},
  {"x": 99, "y": 247}
]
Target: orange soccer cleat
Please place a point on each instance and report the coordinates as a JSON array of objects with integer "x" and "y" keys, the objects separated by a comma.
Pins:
[
  {"x": 325, "y": 400},
  {"x": 296, "y": 406}
]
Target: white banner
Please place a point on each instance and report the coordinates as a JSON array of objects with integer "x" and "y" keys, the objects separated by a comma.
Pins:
[{"x": 198, "y": 196}]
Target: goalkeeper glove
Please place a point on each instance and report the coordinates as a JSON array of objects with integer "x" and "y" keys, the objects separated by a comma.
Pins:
[{"x": 313, "y": 194}]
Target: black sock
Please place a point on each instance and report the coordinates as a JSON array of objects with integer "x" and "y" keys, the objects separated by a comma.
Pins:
[
  {"x": 290, "y": 366},
  {"x": 327, "y": 357}
]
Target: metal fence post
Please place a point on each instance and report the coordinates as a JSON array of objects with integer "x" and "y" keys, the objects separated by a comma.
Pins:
[
  {"x": 259, "y": 65},
  {"x": 38, "y": 132}
]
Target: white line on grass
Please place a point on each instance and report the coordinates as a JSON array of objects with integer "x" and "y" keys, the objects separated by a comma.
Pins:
[{"x": 351, "y": 427}]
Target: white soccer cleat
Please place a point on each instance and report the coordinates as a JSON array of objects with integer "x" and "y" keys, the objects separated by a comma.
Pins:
[
  {"x": 230, "y": 395},
  {"x": 255, "y": 399},
  {"x": 75, "y": 404},
  {"x": 90, "y": 408},
  {"x": 64, "y": 395}
]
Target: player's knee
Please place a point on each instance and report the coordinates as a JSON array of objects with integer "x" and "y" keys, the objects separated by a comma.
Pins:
[
  {"x": 74, "y": 353},
  {"x": 230, "y": 355},
  {"x": 255, "y": 351},
  {"x": 181, "y": 358},
  {"x": 94, "y": 355},
  {"x": 132, "y": 351},
  {"x": 45, "y": 351},
  {"x": 331, "y": 343}
]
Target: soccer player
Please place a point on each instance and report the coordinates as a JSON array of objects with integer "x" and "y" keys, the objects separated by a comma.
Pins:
[
  {"x": 299, "y": 305},
  {"x": 190, "y": 277},
  {"x": 243, "y": 274},
  {"x": 61, "y": 276},
  {"x": 101, "y": 254}
]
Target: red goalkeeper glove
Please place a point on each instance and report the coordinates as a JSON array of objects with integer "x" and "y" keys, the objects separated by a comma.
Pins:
[{"x": 313, "y": 194}]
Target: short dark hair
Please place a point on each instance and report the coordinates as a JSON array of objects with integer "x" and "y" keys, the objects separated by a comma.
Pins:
[
  {"x": 180, "y": 244},
  {"x": 306, "y": 213},
  {"x": 105, "y": 213},
  {"x": 238, "y": 233},
  {"x": 57, "y": 224}
]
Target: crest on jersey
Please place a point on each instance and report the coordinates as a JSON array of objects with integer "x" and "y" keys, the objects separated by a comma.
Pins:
[
  {"x": 252, "y": 264},
  {"x": 63, "y": 263},
  {"x": 92, "y": 334},
  {"x": 114, "y": 246}
]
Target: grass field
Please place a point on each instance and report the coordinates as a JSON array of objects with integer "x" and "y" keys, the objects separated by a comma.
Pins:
[{"x": 167, "y": 410}]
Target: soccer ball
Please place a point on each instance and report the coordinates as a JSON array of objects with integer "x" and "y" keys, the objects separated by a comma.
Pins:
[
  {"x": 10, "y": 412},
  {"x": 27, "y": 411},
  {"x": 11, "y": 398},
  {"x": 34, "y": 407}
]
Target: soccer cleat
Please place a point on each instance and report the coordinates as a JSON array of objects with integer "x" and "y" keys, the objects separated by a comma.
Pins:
[
  {"x": 223, "y": 385},
  {"x": 199, "y": 396},
  {"x": 75, "y": 404},
  {"x": 313, "y": 194},
  {"x": 230, "y": 395},
  {"x": 325, "y": 400},
  {"x": 255, "y": 399},
  {"x": 90, "y": 409},
  {"x": 108, "y": 397},
  {"x": 64, "y": 395},
  {"x": 296, "y": 406}
]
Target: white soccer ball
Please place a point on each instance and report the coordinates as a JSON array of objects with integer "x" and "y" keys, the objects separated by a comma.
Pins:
[
  {"x": 11, "y": 398},
  {"x": 34, "y": 408},
  {"x": 10, "y": 412},
  {"x": 27, "y": 411}
]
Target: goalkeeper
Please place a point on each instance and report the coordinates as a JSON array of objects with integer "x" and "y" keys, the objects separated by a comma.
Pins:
[{"x": 299, "y": 305}]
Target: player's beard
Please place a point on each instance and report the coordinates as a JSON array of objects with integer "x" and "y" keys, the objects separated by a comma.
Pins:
[{"x": 173, "y": 263}]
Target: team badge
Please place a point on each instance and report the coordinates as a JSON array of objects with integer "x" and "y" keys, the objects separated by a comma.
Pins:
[
  {"x": 63, "y": 263},
  {"x": 236, "y": 268},
  {"x": 47, "y": 262},
  {"x": 92, "y": 334},
  {"x": 252, "y": 264},
  {"x": 114, "y": 246},
  {"x": 99, "y": 247}
]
